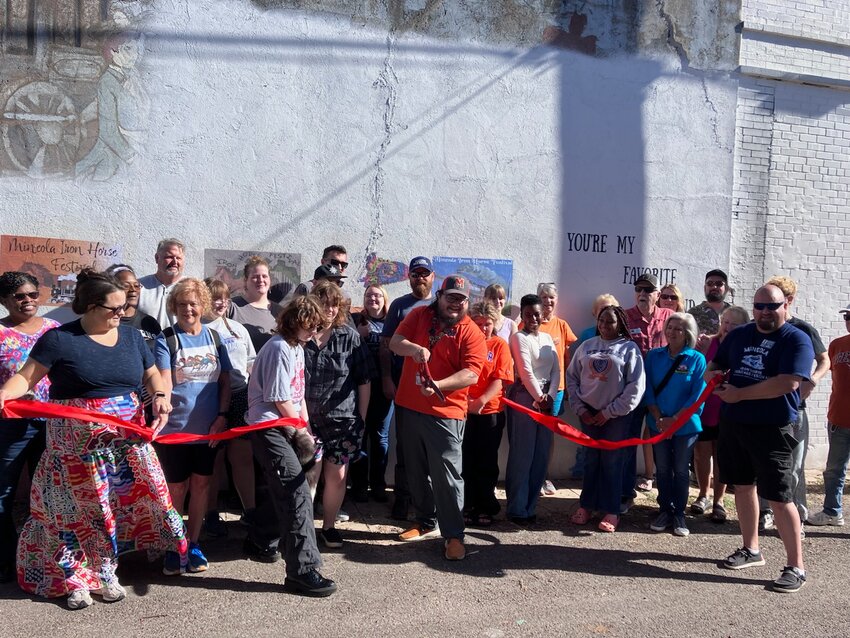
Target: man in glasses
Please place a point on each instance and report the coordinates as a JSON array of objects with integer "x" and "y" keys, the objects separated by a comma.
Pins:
[
  {"x": 707, "y": 314},
  {"x": 801, "y": 431},
  {"x": 646, "y": 321},
  {"x": 169, "y": 258},
  {"x": 767, "y": 361},
  {"x": 333, "y": 265},
  {"x": 444, "y": 352},
  {"x": 421, "y": 279}
]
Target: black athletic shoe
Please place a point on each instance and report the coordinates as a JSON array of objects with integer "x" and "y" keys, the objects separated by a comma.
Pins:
[
  {"x": 263, "y": 555},
  {"x": 310, "y": 584},
  {"x": 330, "y": 538}
]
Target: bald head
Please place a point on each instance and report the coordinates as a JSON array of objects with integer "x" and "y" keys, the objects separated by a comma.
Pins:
[{"x": 770, "y": 308}]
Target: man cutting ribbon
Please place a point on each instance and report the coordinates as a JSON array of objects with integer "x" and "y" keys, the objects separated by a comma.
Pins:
[{"x": 444, "y": 352}]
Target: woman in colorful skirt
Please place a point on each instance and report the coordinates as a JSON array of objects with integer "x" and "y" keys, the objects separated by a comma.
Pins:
[{"x": 97, "y": 491}]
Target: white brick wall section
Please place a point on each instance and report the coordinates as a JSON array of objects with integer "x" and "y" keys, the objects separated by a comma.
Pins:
[
  {"x": 807, "y": 234},
  {"x": 795, "y": 56},
  {"x": 818, "y": 19}
]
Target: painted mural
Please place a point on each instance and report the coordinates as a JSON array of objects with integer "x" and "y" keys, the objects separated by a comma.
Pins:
[
  {"x": 383, "y": 272},
  {"x": 71, "y": 101},
  {"x": 480, "y": 273},
  {"x": 227, "y": 265},
  {"x": 55, "y": 262}
]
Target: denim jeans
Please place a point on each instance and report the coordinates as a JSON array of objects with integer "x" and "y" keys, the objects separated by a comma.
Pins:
[
  {"x": 528, "y": 457},
  {"x": 836, "y": 468},
  {"x": 672, "y": 458},
  {"x": 603, "y": 469},
  {"x": 630, "y": 469},
  {"x": 21, "y": 440},
  {"x": 369, "y": 471}
]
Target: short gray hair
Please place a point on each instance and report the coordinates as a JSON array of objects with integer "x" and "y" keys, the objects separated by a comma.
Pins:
[
  {"x": 168, "y": 243},
  {"x": 690, "y": 325},
  {"x": 547, "y": 288}
]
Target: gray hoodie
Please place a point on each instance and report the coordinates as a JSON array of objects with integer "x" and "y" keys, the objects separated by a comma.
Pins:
[{"x": 606, "y": 376}]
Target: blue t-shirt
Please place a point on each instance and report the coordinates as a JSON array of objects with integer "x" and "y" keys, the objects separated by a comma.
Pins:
[
  {"x": 681, "y": 391},
  {"x": 753, "y": 357},
  {"x": 399, "y": 309},
  {"x": 79, "y": 367},
  {"x": 195, "y": 369}
]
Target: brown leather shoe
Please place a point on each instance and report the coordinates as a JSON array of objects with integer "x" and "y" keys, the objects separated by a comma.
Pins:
[
  {"x": 455, "y": 549},
  {"x": 417, "y": 533}
]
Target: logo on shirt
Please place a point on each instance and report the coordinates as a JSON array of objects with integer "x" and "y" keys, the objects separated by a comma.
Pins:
[
  {"x": 490, "y": 355},
  {"x": 767, "y": 344},
  {"x": 599, "y": 367},
  {"x": 753, "y": 361},
  {"x": 842, "y": 357},
  {"x": 682, "y": 369}
]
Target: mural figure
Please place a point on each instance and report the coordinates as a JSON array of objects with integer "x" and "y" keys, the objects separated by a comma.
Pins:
[
  {"x": 121, "y": 101},
  {"x": 70, "y": 99}
]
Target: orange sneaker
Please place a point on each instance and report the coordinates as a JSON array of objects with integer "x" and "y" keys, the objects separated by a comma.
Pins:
[
  {"x": 417, "y": 533},
  {"x": 455, "y": 549}
]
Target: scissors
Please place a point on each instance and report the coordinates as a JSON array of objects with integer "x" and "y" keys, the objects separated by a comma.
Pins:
[{"x": 428, "y": 381}]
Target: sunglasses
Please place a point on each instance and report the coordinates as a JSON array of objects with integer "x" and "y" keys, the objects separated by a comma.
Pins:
[
  {"x": 715, "y": 284},
  {"x": 845, "y": 316},
  {"x": 420, "y": 274},
  {"x": 768, "y": 306},
  {"x": 20, "y": 296},
  {"x": 670, "y": 297},
  {"x": 646, "y": 289},
  {"x": 117, "y": 310},
  {"x": 342, "y": 265}
]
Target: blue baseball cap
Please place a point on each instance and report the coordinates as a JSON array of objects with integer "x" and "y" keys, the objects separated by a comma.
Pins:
[{"x": 420, "y": 263}]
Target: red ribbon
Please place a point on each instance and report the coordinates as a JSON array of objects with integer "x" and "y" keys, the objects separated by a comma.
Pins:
[
  {"x": 576, "y": 436},
  {"x": 19, "y": 409}
]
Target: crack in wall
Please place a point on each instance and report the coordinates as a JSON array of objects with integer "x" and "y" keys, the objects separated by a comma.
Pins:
[
  {"x": 677, "y": 46},
  {"x": 714, "y": 115},
  {"x": 387, "y": 82}
]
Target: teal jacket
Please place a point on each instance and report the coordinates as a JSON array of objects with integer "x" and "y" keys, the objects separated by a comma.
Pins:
[{"x": 682, "y": 390}]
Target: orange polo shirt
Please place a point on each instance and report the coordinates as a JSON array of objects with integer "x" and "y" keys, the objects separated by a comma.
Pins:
[
  {"x": 463, "y": 347},
  {"x": 499, "y": 365},
  {"x": 563, "y": 336}
]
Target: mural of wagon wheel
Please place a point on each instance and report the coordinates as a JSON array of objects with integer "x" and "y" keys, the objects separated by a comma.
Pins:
[{"x": 41, "y": 130}]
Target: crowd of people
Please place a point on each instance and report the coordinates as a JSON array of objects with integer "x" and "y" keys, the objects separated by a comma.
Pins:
[{"x": 179, "y": 355}]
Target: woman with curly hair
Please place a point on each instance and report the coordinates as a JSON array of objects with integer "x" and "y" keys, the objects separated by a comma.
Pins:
[
  {"x": 195, "y": 367},
  {"x": 275, "y": 390},
  {"x": 97, "y": 491},
  {"x": 339, "y": 371}
]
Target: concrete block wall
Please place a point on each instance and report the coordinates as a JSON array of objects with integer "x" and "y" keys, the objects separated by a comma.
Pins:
[{"x": 792, "y": 165}]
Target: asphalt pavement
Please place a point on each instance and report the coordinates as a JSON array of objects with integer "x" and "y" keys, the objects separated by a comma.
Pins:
[{"x": 554, "y": 579}]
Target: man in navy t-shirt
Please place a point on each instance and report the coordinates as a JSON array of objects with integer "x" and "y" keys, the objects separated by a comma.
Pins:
[{"x": 767, "y": 361}]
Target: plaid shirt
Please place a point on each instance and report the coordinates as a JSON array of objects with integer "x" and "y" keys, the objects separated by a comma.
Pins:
[
  {"x": 708, "y": 321},
  {"x": 333, "y": 373}
]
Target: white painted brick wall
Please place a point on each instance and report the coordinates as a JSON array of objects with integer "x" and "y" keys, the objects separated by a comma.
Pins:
[
  {"x": 818, "y": 19},
  {"x": 791, "y": 206},
  {"x": 795, "y": 56}
]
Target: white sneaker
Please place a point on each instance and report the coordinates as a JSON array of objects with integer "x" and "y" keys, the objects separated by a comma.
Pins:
[
  {"x": 113, "y": 592},
  {"x": 79, "y": 599},
  {"x": 822, "y": 518},
  {"x": 342, "y": 516}
]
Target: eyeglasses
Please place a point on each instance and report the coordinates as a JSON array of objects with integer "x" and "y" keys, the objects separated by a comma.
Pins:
[
  {"x": 670, "y": 297},
  {"x": 775, "y": 305},
  {"x": 20, "y": 296},
  {"x": 456, "y": 299},
  {"x": 715, "y": 284},
  {"x": 420, "y": 274},
  {"x": 342, "y": 265},
  {"x": 117, "y": 310},
  {"x": 646, "y": 289}
]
